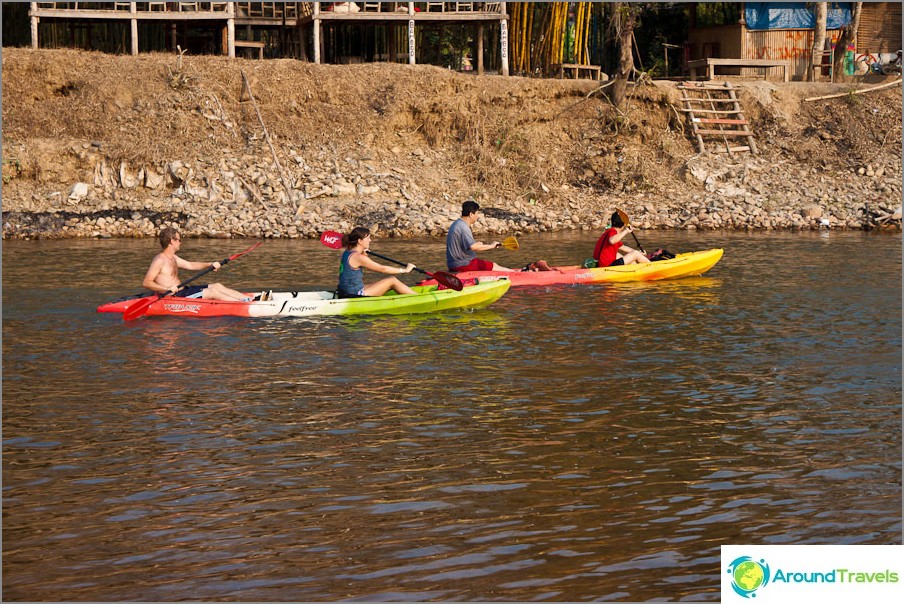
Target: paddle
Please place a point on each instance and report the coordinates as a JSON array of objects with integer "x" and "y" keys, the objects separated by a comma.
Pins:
[
  {"x": 139, "y": 309},
  {"x": 510, "y": 243},
  {"x": 333, "y": 240},
  {"x": 624, "y": 218}
]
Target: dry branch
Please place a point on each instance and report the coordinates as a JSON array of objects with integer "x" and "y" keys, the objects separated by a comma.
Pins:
[{"x": 282, "y": 174}]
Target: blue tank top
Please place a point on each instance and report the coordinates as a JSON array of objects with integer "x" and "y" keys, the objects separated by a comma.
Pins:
[{"x": 351, "y": 280}]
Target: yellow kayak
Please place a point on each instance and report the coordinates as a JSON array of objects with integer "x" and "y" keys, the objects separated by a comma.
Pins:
[{"x": 682, "y": 265}]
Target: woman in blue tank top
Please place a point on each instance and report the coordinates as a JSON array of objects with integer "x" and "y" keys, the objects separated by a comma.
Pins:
[{"x": 355, "y": 260}]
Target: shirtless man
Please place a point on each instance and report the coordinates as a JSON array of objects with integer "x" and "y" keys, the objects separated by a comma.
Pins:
[{"x": 163, "y": 275}]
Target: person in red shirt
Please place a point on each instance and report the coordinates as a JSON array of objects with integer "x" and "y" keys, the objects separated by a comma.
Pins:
[{"x": 610, "y": 251}]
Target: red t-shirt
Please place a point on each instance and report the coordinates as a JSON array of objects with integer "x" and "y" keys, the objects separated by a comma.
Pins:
[{"x": 605, "y": 251}]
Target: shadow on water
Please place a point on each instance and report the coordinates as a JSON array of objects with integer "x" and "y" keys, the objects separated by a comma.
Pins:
[{"x": 567, "y": 443}]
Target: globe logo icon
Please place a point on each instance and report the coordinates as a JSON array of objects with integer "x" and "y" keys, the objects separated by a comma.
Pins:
[{"x": 748, "y": 575}]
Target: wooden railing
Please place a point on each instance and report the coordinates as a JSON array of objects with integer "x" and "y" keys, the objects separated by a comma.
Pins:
[
  {"x": 268, "y": 10},
  {"x": 141, "y": 7},
  {"x": 421, "y": 7},
  {"x": 271, "y": 10}
]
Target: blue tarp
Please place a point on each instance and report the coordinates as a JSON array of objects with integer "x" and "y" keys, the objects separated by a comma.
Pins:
[{"x": 793, "y": 15}]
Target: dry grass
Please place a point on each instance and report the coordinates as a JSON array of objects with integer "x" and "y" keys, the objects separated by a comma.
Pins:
[
  {"x": 509, "y": 136},
  {"x": 512, "y": 137}
]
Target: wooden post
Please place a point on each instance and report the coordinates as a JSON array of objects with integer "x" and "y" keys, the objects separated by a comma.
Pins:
[
  {"x": 302, "y": 43},
  {"x": 479, "y": 49},
  {"x": 133, "y": 9},
  {"x": 503, "y": 44},
  {"x": 34, "y": 25},
  {"x": 411, "y": 40},
  {"x": 391, "y": 31},
  {"x": 230, "y": 30},
  {"x": 316, "y": 24}
]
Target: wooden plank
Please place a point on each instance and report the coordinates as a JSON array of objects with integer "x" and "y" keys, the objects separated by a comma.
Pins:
[
  {"x": 733, "y": 149},
  {"x": 725, "y": 132},
  {"x": 705, "y": 100},
  {"x": 560, "y": 68},
  {"x": 710, "y": 64},
  {"x": 711, "y": 111},
  {"x": 712, "y": 105},
  {"x": 422, "y": 16},
  {"x": 708, "y": 120},
  {"x": 254, "y": 45},
  {"x": 707, "y": 87},
  {"x": 719, "y": 61}
]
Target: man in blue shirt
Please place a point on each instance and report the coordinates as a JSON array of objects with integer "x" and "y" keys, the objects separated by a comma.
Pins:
[{"x": 461, "y": 248}]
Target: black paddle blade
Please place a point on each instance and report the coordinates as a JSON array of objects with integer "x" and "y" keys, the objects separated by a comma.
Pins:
[{"x": 448, "y": 280}]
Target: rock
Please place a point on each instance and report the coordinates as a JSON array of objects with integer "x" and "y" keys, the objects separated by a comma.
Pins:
[
  {"x": 152, "y": 180},
  {"x": 343, "y": 188},
  {"x": 129, "y": 179},
  {"x": 696, "y": 175},
  {"x": 79, "y": 192},
  {"x": 811, "y": 211}
]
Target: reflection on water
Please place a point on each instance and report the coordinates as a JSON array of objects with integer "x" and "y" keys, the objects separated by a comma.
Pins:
[{"x": 568, "y": 443}]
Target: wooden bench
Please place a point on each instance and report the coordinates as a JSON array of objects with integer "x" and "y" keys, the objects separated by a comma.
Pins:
[
  {"x": 593, "y": 70},
  {"x": 710, "y": 66},
  {"x": 251, "y": 44}
]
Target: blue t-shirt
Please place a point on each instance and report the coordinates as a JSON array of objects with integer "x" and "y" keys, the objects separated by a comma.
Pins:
[
  {"x": 458, "y": 245},
  {"x": 351, "y": 280}
]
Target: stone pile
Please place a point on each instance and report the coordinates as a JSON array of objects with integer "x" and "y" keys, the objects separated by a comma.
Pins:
[{"x": 243, "y": 195}]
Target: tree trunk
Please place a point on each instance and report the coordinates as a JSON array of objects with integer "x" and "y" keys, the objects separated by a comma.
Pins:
[
  {"x": 624, "y": 17},
  {"x": 819, "y": 40},
  {"x": 848, "y": 32}
]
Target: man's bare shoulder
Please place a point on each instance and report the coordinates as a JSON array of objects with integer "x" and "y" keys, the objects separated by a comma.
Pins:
[
  {"x": 158, "y": 258},
  {"x": 162, "y": 260}
]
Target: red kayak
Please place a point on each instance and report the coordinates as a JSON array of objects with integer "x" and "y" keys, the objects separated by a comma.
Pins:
[
  {"x": 682, "y": 265},
  {"x": 314, "y": 303}
]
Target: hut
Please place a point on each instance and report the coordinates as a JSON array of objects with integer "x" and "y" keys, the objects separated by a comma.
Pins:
[{"x": 783, "y": 31}]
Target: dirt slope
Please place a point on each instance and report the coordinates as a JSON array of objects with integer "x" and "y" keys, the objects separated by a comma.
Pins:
[{"x": 446, "y": 135}]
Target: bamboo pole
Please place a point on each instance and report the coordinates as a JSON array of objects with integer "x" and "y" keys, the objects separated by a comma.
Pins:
[
  {"x": 862, "y": 91},
  {"x": 579, "y": 33},
  {"x": 529, "y": 59},
  {"x": 524, "y": 51}
]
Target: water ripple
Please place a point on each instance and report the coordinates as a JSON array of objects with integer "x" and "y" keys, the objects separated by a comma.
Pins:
[{"x": 575, "y": 443}]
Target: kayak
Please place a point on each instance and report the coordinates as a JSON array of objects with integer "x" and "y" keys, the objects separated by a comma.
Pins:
[
  {"x": 428, "y": 298},
  {"x": 682, "y": 265}
]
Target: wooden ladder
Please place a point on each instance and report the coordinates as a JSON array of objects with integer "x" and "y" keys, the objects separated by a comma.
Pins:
[{"x": 724, "y": 116}]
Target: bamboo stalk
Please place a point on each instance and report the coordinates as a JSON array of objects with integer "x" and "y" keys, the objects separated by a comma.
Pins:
[
  {"x": 862, "y": 91},
  {"x": 577, "y": 33},
  {"x": 529, "y": 11}
]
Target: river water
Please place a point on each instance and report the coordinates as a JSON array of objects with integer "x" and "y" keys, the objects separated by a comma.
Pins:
[{"x": 565, "y": 444}]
